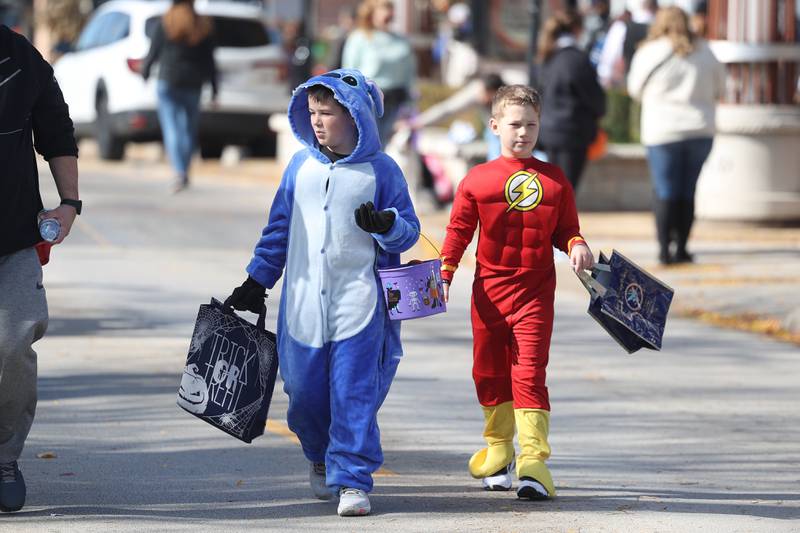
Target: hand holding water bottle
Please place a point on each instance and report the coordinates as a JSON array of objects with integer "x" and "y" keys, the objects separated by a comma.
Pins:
[{"x": 55, "y": 224}]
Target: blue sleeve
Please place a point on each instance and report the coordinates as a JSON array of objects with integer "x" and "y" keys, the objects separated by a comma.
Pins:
[
  {"x": 392, "y": 193},
  {"x": 269, "y": 257}
]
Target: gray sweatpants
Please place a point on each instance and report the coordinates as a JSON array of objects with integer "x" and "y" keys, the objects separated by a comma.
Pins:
[{"x": 23, "y": 321}]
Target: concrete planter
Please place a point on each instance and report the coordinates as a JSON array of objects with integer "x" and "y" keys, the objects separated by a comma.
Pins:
[
  {"x": 753, "y": 171},
  {"x": 618, "y": 181}
]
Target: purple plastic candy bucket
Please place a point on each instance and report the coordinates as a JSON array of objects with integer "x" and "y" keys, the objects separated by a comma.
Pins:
[{"x": 413, "y": 290}]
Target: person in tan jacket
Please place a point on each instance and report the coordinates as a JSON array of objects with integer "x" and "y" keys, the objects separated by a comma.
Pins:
[{"x": 678, "y": 80}]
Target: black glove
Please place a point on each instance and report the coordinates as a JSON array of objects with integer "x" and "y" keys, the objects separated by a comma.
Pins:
[
  {"x": 373, "y": 221},
  {"x": 248, "y": 297}
]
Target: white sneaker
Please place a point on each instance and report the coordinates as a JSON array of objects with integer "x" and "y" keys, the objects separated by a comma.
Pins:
[
  {"x": 531, "y": 489},
  {"x": 500, "y": 480},
  {"x": 316, "y": 475},
  {"x": 353, "y": 502}
]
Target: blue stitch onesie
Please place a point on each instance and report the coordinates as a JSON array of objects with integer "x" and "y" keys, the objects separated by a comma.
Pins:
[{"x": 338, "y": 350}]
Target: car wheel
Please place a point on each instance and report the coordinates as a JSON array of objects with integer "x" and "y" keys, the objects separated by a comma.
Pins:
[
  {"x": 110, "y": 146},
  {"x": 211, "y": 150}
]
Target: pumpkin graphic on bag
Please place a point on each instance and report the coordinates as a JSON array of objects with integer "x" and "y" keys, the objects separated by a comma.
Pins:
[{"x": 193, "y": 393}]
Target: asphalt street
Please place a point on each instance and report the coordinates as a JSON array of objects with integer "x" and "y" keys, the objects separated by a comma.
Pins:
[{"x": 702, "y": 436}]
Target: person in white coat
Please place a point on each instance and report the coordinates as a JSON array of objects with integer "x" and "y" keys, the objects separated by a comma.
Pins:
[{"x": 678, "y": 80}]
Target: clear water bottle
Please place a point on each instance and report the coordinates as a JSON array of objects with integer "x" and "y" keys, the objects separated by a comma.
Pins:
[{"x": 49, "y": 228}]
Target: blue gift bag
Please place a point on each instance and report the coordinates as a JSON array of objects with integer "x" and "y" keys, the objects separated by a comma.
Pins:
[
  {"x": 628, "y": 302},
  {"x": 230, "y": 371}
]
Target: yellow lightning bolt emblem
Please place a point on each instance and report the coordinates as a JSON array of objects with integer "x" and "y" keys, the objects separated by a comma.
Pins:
[{"x": 525, "y": 185}]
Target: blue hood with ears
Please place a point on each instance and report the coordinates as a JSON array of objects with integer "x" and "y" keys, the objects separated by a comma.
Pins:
[{"x": 360, "y": 96}]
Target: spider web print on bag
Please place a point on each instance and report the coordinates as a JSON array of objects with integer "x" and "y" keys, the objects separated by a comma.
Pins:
[
  {"x": 230, "y": 372},
  {"x": 237, "y": 422},
  {"x": 209, "y": 320}
]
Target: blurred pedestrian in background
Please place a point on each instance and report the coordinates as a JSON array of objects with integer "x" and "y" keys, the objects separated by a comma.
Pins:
[
  {"x": 31, "y": 106},
  {"x": 621, "y": 41},
  {"x": 297, "y": 47},
  {"x": 425, "y": 173},
  {"x": 64, "y": 19},
  {"x": 338, "y": 34},
  {"x": 678, "y": 80},
  {"x": 184, "y": 49},
  {"x": 595, "y": 25},
  {"x": 459, "y": 60},
  {"x": 383, "y": 56},
  {"x": 572, "y": 99},
  {"x": 698, "y": 21},
  {"x": 477, "y": 94}
]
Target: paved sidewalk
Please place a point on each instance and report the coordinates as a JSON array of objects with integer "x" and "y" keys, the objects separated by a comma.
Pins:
[{"x": 699, "y": 437}]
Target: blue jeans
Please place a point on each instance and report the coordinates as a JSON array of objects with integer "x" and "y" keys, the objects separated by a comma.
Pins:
[
  {"x": 675, "y": 167},
  {"x": 178, "y": 113}
]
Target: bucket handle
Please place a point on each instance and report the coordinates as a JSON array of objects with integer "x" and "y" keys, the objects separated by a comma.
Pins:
[{"x": 438, "y": 254}]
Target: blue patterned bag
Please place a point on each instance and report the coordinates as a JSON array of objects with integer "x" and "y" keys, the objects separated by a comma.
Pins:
[
  {"x": 629, "y": 303},
  {"x": 230, "y": 371}
]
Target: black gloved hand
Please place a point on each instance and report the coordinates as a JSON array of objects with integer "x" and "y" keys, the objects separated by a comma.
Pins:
[
  {"x": 248, "y": 297},
  {"x": 372, "y": 221}
]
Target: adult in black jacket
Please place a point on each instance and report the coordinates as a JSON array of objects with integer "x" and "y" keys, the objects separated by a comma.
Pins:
[
  {"x": 183, "y": 47},
  {"x": 32, "y": 114},
  {"x": 572, "y": 99}
]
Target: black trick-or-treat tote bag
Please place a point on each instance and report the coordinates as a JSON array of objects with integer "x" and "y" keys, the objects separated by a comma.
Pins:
[
  {"x": 628, "y": 302},
  {"x": 230, "y": 371}
]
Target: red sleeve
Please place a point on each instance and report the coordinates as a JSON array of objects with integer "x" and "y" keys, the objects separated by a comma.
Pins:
[
  {"x": 460, "y": 230},
  {"x": 568, "y": 229}
]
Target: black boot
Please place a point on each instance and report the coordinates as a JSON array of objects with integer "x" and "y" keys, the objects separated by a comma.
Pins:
[
  {"x": 684, "y": 222},
  {"x": 664, "y": 221}
]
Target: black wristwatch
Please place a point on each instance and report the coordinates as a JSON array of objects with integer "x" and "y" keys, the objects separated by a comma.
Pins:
[{"x": 77, "y": 204}]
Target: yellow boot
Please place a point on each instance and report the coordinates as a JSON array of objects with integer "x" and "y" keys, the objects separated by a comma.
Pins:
[
  {"x": 533, "y": 425},
  {"x": 499, "y": 434}
]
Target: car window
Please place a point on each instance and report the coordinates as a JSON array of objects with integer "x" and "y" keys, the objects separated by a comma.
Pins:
[
  {"x": 103, "y": 30},
  {"x": 228, "y": 31},
  {"x": 117, "y": 28}
]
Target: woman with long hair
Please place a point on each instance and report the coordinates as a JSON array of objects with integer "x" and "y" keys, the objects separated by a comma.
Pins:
[
  {"x": 383, "y": 56},
  {"x": 183, "y": 47},
  {"x": 572, "y": 99},
  {"x": 678, "y": 80}
]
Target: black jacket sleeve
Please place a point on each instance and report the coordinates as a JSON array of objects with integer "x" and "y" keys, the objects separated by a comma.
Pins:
[
  {"x": 589, "y": 89},
  {"x": 53, "y": 132},
  {"x": 209, "y": 45},
  {"x": 156, "y": 43}
]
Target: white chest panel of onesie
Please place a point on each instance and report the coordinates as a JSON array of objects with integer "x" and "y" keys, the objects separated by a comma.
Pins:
[{"x": 330, "y": 285}]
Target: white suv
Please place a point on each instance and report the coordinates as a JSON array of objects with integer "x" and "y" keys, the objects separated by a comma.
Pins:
[{"x": 109, "y": 100}]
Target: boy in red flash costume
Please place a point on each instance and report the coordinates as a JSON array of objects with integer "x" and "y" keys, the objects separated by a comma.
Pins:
[{"x": 524, "y": 207}]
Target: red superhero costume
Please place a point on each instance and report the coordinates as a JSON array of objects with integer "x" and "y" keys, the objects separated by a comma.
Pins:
[{"x": 524, "y": 207}]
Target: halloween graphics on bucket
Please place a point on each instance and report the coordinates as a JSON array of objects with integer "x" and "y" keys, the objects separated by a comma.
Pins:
[
  {"x": 393, "y": 295},
  {"x": 413, "y": 290}
]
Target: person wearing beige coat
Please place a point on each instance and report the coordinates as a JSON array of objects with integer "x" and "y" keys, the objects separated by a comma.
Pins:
[{"x": 678, "y": 81}]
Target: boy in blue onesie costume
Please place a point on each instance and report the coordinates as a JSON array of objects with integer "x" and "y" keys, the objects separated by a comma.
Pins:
[{"x": 342, "y": 210}]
